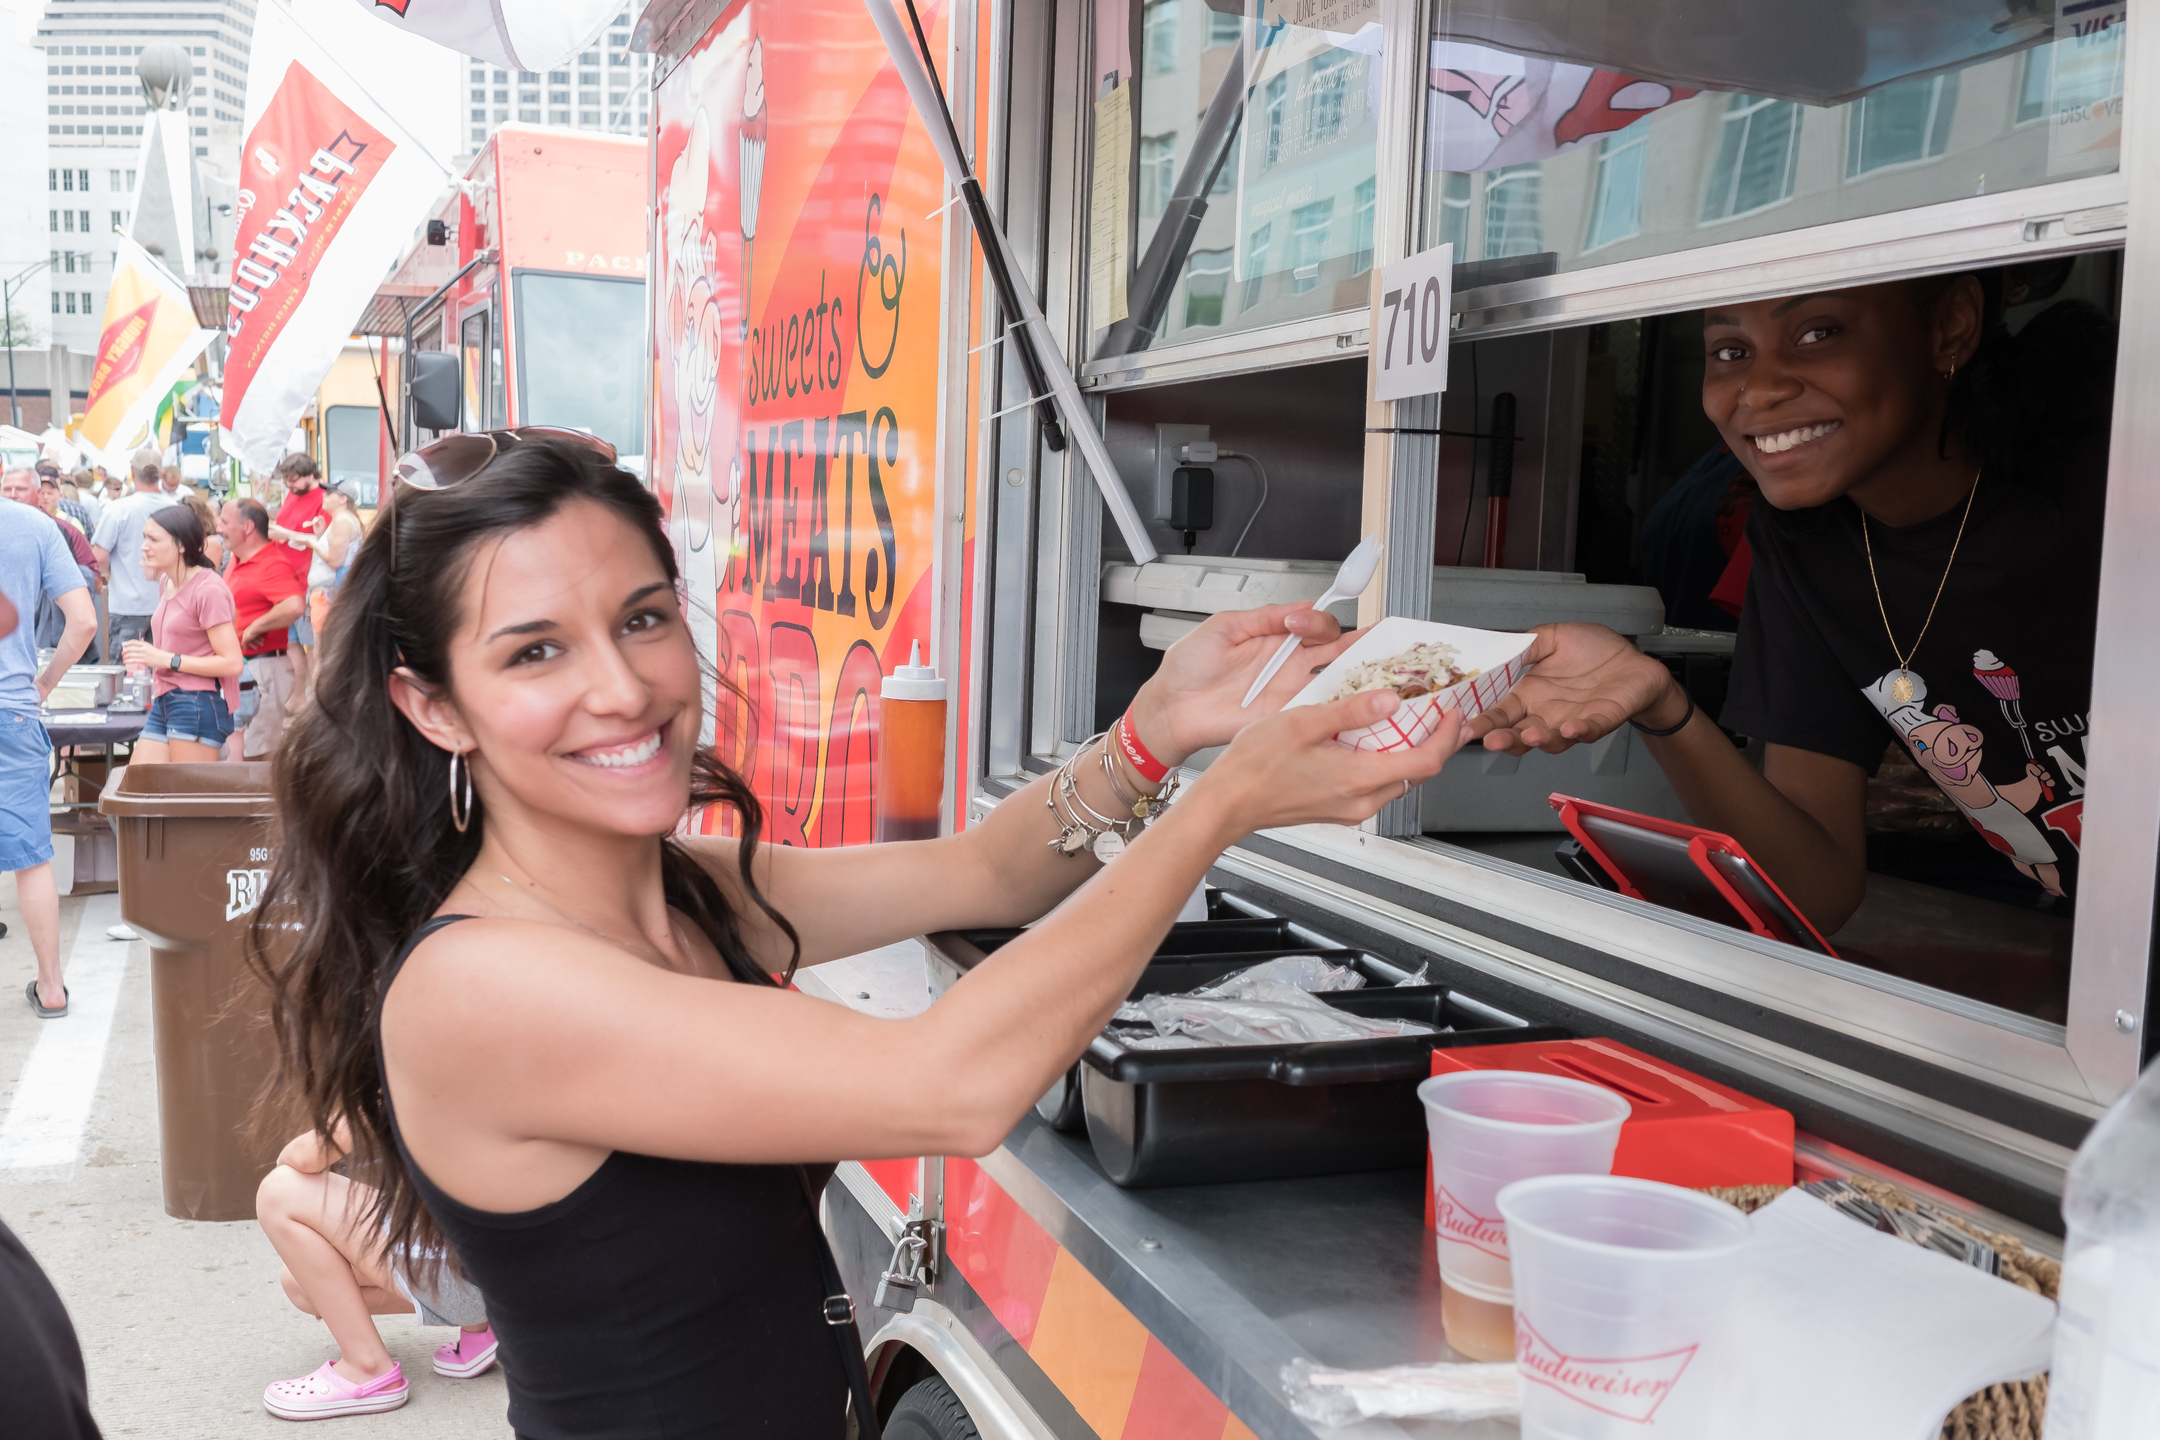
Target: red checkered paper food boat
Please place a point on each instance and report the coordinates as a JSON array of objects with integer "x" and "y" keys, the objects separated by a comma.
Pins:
[{"x": 1496, "y": 655}]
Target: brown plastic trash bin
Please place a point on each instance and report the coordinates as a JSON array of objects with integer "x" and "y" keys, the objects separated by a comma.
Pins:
[{"x": 196, "y": 843}]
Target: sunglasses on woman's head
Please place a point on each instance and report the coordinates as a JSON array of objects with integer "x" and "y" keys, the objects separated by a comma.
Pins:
[{"x": 460, "y": 457}]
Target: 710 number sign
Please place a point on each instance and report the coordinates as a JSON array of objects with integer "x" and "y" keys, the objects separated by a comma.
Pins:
[{"x": 1410, "y": 325}]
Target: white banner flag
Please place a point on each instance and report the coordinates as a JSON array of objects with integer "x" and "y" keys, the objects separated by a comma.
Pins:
[
  {"x": 526, "y": 36},
  {"x": 331, "y": 189}
]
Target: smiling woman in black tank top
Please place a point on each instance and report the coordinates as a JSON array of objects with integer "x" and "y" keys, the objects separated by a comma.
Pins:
[{"x": 552, "y": 1022}]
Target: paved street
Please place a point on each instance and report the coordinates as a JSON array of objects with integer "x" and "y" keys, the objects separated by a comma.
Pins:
[{"x": 182, "y": 1323}]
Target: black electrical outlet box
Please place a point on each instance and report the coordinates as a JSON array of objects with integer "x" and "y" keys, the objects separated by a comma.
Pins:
[{"x": 1192, "y": 498}]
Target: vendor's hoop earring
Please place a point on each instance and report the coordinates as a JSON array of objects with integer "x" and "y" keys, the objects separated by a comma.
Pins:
[
  {"x": 460, "y": 777},
  {"x": 1951, "y": 378}
]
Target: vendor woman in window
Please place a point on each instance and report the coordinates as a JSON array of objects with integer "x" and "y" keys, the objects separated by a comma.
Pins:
[{"x": 1927, "y": 560}]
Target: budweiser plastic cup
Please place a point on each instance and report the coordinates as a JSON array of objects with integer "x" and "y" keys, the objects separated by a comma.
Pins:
[
  {"x": 1489, "y": 1129},
  {"x": 1621, "y": 1291}
]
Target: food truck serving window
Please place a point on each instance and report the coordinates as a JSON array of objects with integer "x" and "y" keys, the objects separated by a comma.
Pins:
[
  {"x": 578, "y": 342},
  {"x": 1571, "y": 153}
]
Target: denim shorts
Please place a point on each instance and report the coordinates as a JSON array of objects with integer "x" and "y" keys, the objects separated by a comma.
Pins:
[
  {"x": 25, "y": 791},
  {"x": 197, "y": 715}
]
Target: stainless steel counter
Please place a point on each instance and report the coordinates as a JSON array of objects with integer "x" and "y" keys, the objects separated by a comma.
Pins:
[
  {"x": 1239, "y": 1280},
  {"x": 1235, "y": 1280}
]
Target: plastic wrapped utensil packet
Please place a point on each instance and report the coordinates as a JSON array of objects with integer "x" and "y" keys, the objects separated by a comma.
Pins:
[
  {"x": 1306, "y": 972},
  {"x": 1443, "y": 1391},
  {"x": 1270, "y": 1013}
]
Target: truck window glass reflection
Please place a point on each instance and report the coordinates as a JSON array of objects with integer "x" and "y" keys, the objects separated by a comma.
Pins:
[{"x": 593, "y": 382}]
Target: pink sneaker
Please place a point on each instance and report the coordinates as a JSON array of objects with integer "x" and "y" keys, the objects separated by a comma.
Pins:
[
  {"x": 326, "y": 1394},
  {"x": 472, "y": 1355}
]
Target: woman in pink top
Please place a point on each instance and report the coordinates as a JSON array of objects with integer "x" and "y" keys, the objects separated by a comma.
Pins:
[{"x": 193, "y": 647}]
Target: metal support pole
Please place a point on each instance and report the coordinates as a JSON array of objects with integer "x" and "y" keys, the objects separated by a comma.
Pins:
[
  {"x": 1072, "y": 407},
  {"x": 7, "y": 325}
]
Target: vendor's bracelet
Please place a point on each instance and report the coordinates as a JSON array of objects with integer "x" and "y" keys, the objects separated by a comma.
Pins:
[
  {"x": 1669, "y": 729},
  {"x": 1127, "y": 739}
]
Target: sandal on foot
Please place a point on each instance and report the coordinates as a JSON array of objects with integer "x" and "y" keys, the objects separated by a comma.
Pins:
[
  {"x": 472, "y": 1354},
  {"x": 39, "y": 1005},
  {"x": 326, "y": 1393}
]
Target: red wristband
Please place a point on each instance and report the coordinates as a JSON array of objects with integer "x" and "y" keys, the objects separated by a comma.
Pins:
[{"x": 1135, "y": 753}]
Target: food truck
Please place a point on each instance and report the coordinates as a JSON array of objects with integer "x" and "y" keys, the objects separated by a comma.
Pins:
[
  {"x": 1203, "y": 197},
  {"x": 543, "y": 235}
]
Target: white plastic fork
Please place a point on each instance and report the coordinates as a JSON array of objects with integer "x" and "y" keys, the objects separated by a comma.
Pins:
[{"x": 1357, "y": 571}]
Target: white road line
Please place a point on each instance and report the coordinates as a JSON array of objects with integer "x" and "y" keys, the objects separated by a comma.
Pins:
[{"x": 59, "y": 1081}]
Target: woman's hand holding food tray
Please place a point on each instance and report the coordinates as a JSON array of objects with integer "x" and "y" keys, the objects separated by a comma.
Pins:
[{"x": 1432, "y": 667}]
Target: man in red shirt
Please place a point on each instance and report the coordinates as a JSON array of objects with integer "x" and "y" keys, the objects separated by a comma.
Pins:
[
  {"x": 303, "y": 503},
  {"x": 267, "y": 597},
  {"x": 302, "y": 512}
]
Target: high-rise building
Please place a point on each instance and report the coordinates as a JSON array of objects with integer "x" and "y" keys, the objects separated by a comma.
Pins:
[
  {"x": 607, "y": 87},
  {"x": 96, "y": 111},
  {"x": 23, "y": 262}
]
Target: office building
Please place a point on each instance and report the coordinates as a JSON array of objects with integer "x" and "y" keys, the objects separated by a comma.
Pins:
[{"x": 607, "y": 87}]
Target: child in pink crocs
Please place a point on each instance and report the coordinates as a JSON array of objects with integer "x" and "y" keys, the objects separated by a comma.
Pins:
[{"x": 338, "y": 1269}]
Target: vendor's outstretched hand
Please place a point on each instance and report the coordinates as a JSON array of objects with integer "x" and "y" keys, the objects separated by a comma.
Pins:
[
  {"x": 1585, "y": 682},
  {"x": 1192, "y": 700}
]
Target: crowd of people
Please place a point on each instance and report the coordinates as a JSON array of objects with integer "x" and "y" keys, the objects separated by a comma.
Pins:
[{"x": 218, "y": 606}]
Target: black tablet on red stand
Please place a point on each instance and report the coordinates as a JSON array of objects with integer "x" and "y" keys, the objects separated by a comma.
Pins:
[{"x": 1687, "y": 868}]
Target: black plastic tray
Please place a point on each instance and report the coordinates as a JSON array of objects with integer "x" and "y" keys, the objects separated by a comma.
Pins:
[{"x": 1251, "y": 1112}]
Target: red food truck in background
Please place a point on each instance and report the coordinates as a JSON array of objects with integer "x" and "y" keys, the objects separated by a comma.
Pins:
[{"x": 532, "y": 272}]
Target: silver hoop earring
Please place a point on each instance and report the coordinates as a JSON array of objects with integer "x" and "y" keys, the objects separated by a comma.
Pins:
[{"x": 460, "y": 778}]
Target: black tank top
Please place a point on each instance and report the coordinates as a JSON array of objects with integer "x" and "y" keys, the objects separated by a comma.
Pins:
[{"x": 661, "y": 1298}]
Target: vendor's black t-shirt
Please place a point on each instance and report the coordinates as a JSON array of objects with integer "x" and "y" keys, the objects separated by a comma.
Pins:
[{"x": 2003, "y": 679}]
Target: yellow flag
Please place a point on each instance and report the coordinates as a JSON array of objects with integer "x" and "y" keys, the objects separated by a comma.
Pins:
[{"x": 150, "y": 338}]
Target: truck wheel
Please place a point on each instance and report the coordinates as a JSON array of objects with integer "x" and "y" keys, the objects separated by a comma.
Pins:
[{"x": 930, "y": 1411}]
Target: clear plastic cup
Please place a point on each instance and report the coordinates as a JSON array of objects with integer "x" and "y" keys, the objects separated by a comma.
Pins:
[
  {"x": 1621, "y": 1292},
  {"x": 1489, "y": 1129}
]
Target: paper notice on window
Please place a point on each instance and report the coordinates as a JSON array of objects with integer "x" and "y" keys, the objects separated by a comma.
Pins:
[
  {"x": 1344, "y": 17},
  {"x": 1110, "y": 210},
  {"x": 2085, "y": 87}
]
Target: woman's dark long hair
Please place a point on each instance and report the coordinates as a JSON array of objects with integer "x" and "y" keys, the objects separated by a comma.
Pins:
[
  {"x": 2022, "y": 396},
  {"x": 368, "y": 851},
  {"x": 186, "y": 529}
]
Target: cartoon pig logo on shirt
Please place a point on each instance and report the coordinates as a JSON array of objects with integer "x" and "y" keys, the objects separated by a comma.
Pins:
[{"x": 1949, "y": 749}]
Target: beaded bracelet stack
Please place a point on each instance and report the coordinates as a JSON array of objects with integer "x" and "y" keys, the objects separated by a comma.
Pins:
[{"x": 1080, "y": 825}]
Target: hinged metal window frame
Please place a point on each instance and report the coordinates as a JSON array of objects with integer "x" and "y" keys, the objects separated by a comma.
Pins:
[{"x": 2079, "y": 1066}]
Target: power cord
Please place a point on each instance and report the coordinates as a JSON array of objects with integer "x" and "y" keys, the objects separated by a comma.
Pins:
[
  {"x": 1477, "y": 413},
  {"x": 1258, "y": 470}
]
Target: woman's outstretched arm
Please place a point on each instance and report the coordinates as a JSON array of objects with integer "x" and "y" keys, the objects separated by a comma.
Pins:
[
  {"x": 1802, "y": 816},
  {"x": 1003, "y": 871},
  {"x": 550, "y": 1038}
]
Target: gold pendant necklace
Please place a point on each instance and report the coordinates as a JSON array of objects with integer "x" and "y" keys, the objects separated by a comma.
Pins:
[
  {"x": 1902, "y": 689},
  {"x": 696, "y": 969}
]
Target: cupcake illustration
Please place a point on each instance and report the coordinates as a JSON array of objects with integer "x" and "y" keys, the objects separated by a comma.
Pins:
[{"x": 751, "y": 178}]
